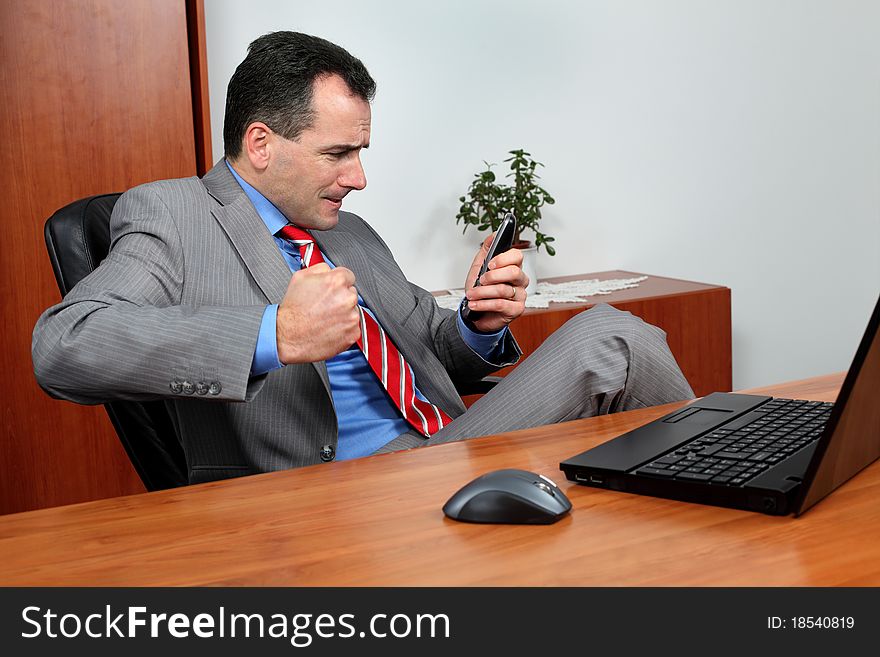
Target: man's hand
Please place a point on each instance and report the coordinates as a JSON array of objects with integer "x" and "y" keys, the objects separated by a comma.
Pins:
[
  {"x": 501, "y": 296},
  {"x": 318, "y": 317}
]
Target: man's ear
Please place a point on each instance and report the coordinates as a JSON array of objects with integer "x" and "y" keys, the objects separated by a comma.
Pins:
[{"x": 256, "y": 144}]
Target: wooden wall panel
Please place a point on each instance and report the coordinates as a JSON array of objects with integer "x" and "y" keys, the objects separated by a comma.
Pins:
[
  {"x": 97, "y": 98},
  {"x": 198, "y": 67}
]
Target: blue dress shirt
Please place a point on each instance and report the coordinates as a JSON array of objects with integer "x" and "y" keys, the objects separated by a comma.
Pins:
[{"x": 366, "y": 416}]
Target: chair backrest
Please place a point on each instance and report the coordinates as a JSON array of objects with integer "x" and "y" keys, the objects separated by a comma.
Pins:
[{"x": 78, "y": 239}]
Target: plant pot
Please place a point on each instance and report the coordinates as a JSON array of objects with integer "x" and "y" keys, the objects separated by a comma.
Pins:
[{"x": 530, "y": 255}]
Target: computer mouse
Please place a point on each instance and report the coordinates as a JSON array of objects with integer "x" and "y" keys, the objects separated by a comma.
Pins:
[{"x": 509, "y": 496}]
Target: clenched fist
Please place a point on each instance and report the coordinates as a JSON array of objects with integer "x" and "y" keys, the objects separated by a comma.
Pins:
[{"x": 318, "y": 317}]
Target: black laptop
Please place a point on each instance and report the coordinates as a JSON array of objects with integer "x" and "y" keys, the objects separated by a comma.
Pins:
[{"x": 776, "y": 456}]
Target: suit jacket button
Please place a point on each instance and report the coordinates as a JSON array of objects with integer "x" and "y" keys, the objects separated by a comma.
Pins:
[
  {"x": 201, "y": 388},
  {"x": 215, "y": 388},
  {"x": 176, "y": 387},
  {"x": 327, "y": 453},
  {"x": 188, "y": 387}
]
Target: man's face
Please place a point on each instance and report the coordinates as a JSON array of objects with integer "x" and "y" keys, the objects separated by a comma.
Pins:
[{"x": 307, "y": 178}]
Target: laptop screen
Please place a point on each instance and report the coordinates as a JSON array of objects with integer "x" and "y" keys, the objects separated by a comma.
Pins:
[{"x": 851, "y": 440}]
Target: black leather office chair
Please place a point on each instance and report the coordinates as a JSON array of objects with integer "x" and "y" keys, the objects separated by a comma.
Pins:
[{"x": 78, "y": 239}]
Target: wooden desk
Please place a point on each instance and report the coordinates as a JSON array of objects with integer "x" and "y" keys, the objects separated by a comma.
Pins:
[
  {"x": 695, "y": 316},
  {"x": 377, "y": 521}
]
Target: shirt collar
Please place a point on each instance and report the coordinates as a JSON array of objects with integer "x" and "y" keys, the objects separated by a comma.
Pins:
[{"x": 270, "y": 215}]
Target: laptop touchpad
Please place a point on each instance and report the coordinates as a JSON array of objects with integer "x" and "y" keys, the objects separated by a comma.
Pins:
[{"x": 699, "y": 416}]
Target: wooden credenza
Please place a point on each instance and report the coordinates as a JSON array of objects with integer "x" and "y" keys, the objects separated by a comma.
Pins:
[{"x": 695, "y": 316}]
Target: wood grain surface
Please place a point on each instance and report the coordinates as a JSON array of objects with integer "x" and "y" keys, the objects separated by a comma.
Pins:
[
  {"x": 198, "y": 70},
  {"x": 97, "y": 99},
  {"x": 377, "y": 521}
]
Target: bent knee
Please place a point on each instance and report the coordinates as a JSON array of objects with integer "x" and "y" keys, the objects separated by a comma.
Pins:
[
  {"x": 602, "y": 312},
  {"x": 607, "y": 319}
]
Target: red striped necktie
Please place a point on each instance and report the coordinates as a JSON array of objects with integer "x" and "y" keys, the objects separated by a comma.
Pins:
[{"x": 385, "y": 360}]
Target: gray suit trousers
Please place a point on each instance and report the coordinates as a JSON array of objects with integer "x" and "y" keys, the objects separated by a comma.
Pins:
[{"x": 601, "y": 361}]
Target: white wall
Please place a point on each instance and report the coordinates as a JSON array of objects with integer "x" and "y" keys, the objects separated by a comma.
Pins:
[{"x": 734, "y": 142}]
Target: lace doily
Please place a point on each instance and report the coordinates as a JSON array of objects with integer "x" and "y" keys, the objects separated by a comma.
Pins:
[{"x": 570, "y": 292}]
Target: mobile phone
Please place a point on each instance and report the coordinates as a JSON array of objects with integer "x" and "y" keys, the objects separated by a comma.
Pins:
[{"x": 502, "y": 242}]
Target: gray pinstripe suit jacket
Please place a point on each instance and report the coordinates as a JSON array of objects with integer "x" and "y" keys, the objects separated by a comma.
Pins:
[{"x": 174, "y": 312}]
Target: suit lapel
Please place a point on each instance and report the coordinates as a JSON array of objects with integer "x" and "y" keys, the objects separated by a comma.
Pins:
[
  {"x": 247, "y": 233},
  {"x": 371, "y": 281},
  {"x": 375, "y": 282},
  {"x": 378, "y": 282},
  {"x": 251, "y": 239},
  {"x": 343, "y": 250}
]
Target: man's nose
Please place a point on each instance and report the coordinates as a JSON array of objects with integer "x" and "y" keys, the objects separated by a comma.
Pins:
[{"x": 354, "y": 177}]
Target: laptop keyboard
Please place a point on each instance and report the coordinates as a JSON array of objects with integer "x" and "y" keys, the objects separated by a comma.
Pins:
[{"x": 731, "y": 457}]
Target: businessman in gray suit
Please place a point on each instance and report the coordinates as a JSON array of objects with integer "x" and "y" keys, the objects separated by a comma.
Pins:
[{"x": 280, "y": 330}]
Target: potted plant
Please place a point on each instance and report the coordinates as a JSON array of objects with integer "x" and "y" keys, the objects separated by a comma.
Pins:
[{"x": 487, "y": 200}]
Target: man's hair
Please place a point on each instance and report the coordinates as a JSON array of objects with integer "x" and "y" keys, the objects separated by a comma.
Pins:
[{"x": 274, "y": 84}]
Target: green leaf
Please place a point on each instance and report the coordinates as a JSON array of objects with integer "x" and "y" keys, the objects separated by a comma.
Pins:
[{"x": 487, "y": 200}]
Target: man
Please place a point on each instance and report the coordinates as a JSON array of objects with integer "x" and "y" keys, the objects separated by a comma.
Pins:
[{"x": 250, "y": 285}]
